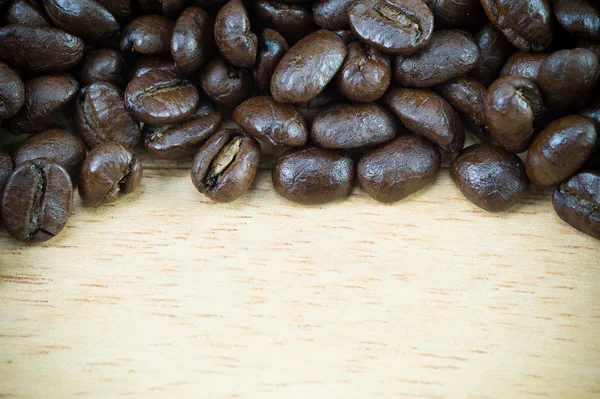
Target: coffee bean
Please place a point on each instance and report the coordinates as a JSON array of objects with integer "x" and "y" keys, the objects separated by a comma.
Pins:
[
  {"x": 514, "y": 111},
  {"x": 160, "y": 97},
  {"x": 332, "y": 14},
  {"x": 56, "y": 145},
  {"x": 183, "y": 139},
  {"x": 37, "y": 201},
  {"x": 593, "y": 111},
  {"x": 308, "y": 67},
  {"x": 109, "y": 170},
  {"x": 6, "y": 169},
  {"x": 225, "y": 167},
  {"x": 328, "y": 96},
  {"x": 102, "y": 65},
  {"x": 365, "y": 74},
  {"x": 39, "y": 49},
  {"x": 12, "y": 92},
  {"x": 271, "y": 48},
  {"x": 455, "y": 13},
  {"x": 592, "y": 45},
  {"x": 392, "y": 26},
  {"x": 236, "y": 42},
  {"x": 467, "y": 96},
  {"x": 526, "y": 65},
  {"x": 494, "y": 51},
  {"x": 346, "y": 35},
  {"x": 121, "y": 9},
  {"x": 192, "y": 44},
  {"x": 146, "y": 64},
  {"x": 272, "y": 122},
  {"x": 290, "y": 20},
  {"x": 147, "y": 35},
  {"x": 578, "y": 17},
  {"x": 577, "y": 202},
  {"x": 226, "y": 84},
  {"x": 490, "y": 177},
  {"x": 426, "y": 113},
  {"x": 100, "y": 116},
  {"x": 26, "y": 12}
]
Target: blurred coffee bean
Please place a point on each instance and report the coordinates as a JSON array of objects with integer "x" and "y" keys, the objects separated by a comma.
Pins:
[
  {"x": 26, "y": 12},
  {"x": 147, "y": 35},
  {"x": 234, "y": 39},
  {"x": 12, "y": 92},
  {"x": 494, "y": 50},
  {"x": 331, "y": 14},
  {"x": 467, "y": 96},
  {"x": 271, "y": 48},
  {"x": 577, "y": 202},
  {"x": 102, "y": 65},
  {"x": 226, "y": 84},
  {"x": 579, "y": 17},
  {"x": 192, "y": 43},
  {"x": 365, "y": 74},
  {"x": 292, "y": 21}
]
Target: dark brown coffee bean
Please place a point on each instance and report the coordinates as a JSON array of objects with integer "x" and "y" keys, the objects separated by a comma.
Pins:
[
  {"x": 146, "y": 64},
  {"x": 399, "y": 168},
  {"x": 225, "y": 167},
  {"x": 578, "y": 17},
  {"x": 592, "y": 45},
  {"x": 39, "y": 49},
  {"x": 44, "y": 97},
  {"x": 272, "y": 122},
  {"x": 26, "y": 12},
  {"x": 102, "y": 65},
  {"x": 490, "y": 177},
  {"x": 494, "y": 50},
  {"x": 160, "y": 97},
  {"x": 290, "y": 20},
  {"x": 271, "y": 48},
  {"x": 567, "y": 78},
  {"x": 121, "y": 9},
  {"x": 392, "y": 26},
  {"x": 577, "y": 202},
  {"x": 183, "y": 139},
  {"x": 526, "y": 23},
  {"x": 514, "y": 110},
  {"x": 426, "y": 113},
  {"x": 365, "y": 74},
  {"x": 308, "y": 67},
  {"x": 455, "y": 13},
  {"x": 226, "y": 84},
  {"x": 332, "y": 14},
  {"x": 467, "y": 96},
  {"x": 526, "y": 65},
  {"x": 234, "y": 39},
  {"x": 593, "y": 111},
  {"x": 6, "y": 169},
  {"x": 561, "y": 150},
  {"x": 147, "y": 35},
  {"x": 12, "y": 92},
  {"x": 37, "y": 201},
  {"x": 192, "y": 44},
  {"x": 100, "y": 116}
]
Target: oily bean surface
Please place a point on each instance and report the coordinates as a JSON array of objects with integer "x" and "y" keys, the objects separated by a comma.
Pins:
[
  {"x": 85, "y": 18},
  {"x": 455, "y": 13},
  {"x": 365, "y": 74},
  {"x": 234, "y": 39},
  {"x": 26, "y": 12},
  {"x": 577, "y": 202},
  {"x": 12, "y": 92},
  {"x": 192, "y": 44},
  {"x": 147, "y": 35},
  {"x": 578, "y": 17}
]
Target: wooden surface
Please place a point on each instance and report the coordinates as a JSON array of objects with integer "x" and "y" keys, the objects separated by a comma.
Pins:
[{"x": 165, "y": 294}]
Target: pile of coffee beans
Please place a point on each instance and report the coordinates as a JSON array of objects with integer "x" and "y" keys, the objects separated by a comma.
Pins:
[{"x": 374, "y": 91}]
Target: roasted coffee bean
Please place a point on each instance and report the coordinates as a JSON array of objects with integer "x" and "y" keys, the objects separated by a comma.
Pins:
[
  {"x": 160, "y": 97},
  {"x": 526, "y": 23},
  {"x": 332, "y": 14},
  {"x": 26, "y": 12},
  {"x": 567, "y": 79},
  {"x": 425, "y": 68},
  {"x": 146, "y": 64},
  {"x": 328, "y": 96},
  {"x": 12, "y": 92},
  {"x": 290, "y": 20},
  {"x": 455, "y": 13},
  {"x": 308, "y": 67},
  {"x": 365, "y": 74},
  {"x": 577, "y": 202},
  {"x": 100, "y": 116},
  {"x": 271, "y": 48},
  {"x": 234, "y": 39},
  {"x": 226, "y": 84},
  {"x": 399, "y": 168},
  {"x": 593, "y": 112},
  {"x": 56, "y": 145},
  {"x": 426, "y": 113},
  {"x": 346, "y": 35},
  {"x": 579, "y": 17},
  {"x": 6, "y": 169},
  {"x": 561, "y": 150},
  {"x": 467, "y": 96},
  {"x": 592, "y": 45},
  {"x": 348, "y": 125},
  {"x": 37, "y": 201},
  {"x": 514, "y": 110},
  {"x": 183, "y": 139},
  {"x": 494, "y": 50},
  {"x": 121, "y": 9},
  {"x": 109, "y": 170},
  {"x": 102, "y": 65},
  {"x": 490, "y": 177},
  {"x": 147, "y": 35},
  {"x": 392, "y": 26},
  {"x": 192, "y": 44},
  {"x": 44, "y": 97},
  {"x": 39, "y": 49},
  {"x": 225, "y": 167},
  {"x": 526, "y": 65},
  {"x": 272, "y": 122}
]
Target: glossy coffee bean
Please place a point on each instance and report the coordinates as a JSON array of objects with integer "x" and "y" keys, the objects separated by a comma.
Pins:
[
  {"x": 44, "y": 97},
  {"x": 290, "y": 20},
  {"x": 26, "y": 12},
  {"x": 183, "y": 139},
  {"x": 528, "y": 24},
  {"x": 366, "y": 73},
  {"x": 12, "y": 92},
  {"x": 225, "y": 84},
  {"x": 348, "y": 125},
  {"x": 108, "y": 171},
  {"x": 577, "y": 202},
  {"x": 102, "y": 65},
  {"x": 514, "y": 109},
  {"x": 308, "y": 67},
  {"x": 146, "y": 64},
  {"x": 225, "y": 167},
  {"x": 272, "y": 122},
  {"x": 56, "y": 145},
  {"x": 37, "y": 201},
  {"x": 494, "y": 51},
  {"x": 39, "y": 49},
  {"x": 271, "y": 48},
  {"x": 399, "y": 168},
  {"x": 567, "y": 78},
  {"x": 84, "y": 18},
  {"x": 313, "y": 175},
  {"x": 592, "y": 111},
  {"x": 467, "y": 96},
  {"x": 579, "y": 17},
  {"x": 234, "y": 39},
  {"x": 121, "y": 9},
  {"x": 455, "y": 13},
  {"x": 192, "y": 43},
  {"x": 392, "y": 26},
  {"x": 100, "y": 116},
  {"x": 332, "y": 14},
  {"x": 160, "y": 97},
  {"x": 490, "y": 177},
  {"x": 524, "y": 64},
  {"x": 147, "y": 35},
  {"x": 6, "y": 169},
  {"x": 426, "y": 113},
  {"x": 561, "y": 150}
]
